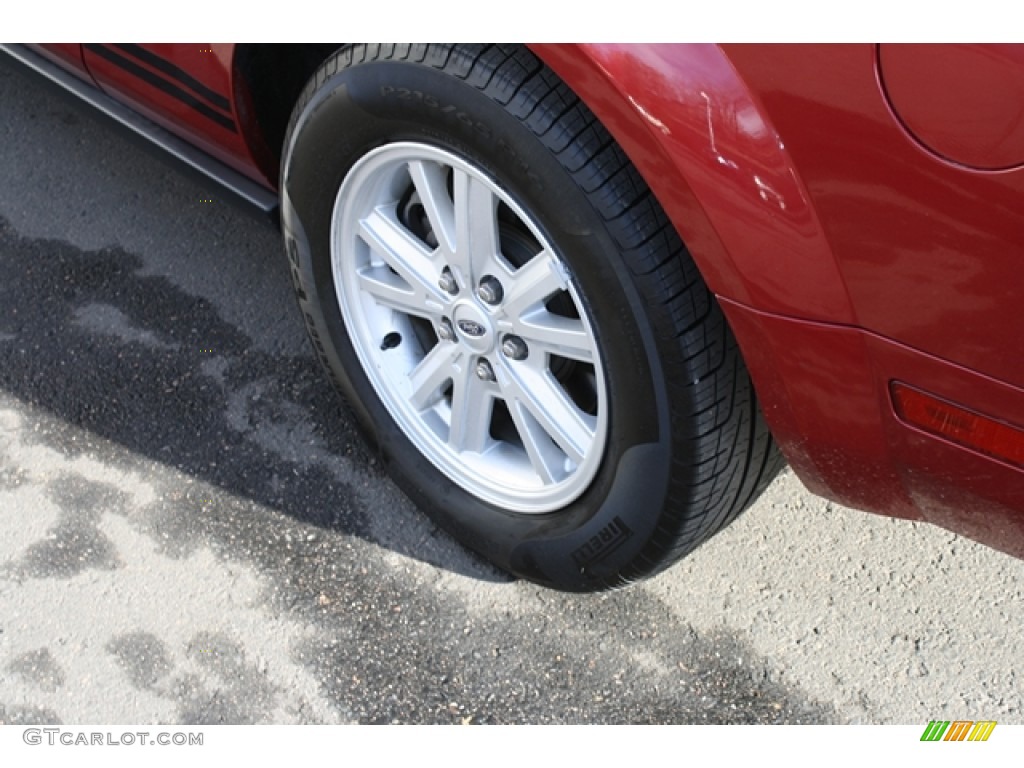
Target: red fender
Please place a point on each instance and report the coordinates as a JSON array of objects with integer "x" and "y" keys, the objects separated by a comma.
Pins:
[{"x": 703, "y": 142}]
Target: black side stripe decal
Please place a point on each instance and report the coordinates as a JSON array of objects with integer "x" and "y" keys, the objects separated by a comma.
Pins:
[
  {"x": 176, "y": 73},
  {"x": 169, "y": 88}
]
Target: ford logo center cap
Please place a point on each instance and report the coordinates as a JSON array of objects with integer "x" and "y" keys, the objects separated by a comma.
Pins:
[{"x": 471, "y": 328}]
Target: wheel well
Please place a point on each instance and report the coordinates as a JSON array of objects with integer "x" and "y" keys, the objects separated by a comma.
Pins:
[{"x": 268, "y": 79}]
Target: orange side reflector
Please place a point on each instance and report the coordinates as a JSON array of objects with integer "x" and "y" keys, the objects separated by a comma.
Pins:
[{"x": 969, "y": 429}]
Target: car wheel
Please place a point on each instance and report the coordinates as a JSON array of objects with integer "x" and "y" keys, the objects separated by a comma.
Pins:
[{"x": 510, "y": 316}]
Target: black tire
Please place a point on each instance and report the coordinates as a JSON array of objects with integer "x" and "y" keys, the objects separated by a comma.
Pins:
[{"x": 686, "y": 448}]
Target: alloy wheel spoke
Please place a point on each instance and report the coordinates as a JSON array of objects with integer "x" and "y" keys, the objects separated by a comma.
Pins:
[
  {"x": 532, "y": 284},
  {"x": 472, "y": 405},
  {"x": 428, "y": 378},
  {"x": 403, "y": 252},
  {"x": 476, "y": 228},
  {"x": 430, "y": 181},
  {"x": 546, "y": 458},
  {"x": 539, "y": 392},
  {"x": 563, "y": 336},
  {"x": 390, "y": 291}
]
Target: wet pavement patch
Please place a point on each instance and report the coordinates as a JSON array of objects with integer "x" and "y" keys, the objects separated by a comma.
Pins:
[
  {"x": 122, "y": 355},
  {"x": 39, "y": 668},
  {"x": 28, "y": 715},
  {"x": 75, "y": 544},
  {"x": 143, "y": 657}
]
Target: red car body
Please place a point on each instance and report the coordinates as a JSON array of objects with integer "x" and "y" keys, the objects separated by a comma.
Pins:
[{"x": 858, "y": 210}]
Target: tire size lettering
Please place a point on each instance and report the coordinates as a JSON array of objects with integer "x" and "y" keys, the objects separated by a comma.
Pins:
[{"x": 408, "y": 94}]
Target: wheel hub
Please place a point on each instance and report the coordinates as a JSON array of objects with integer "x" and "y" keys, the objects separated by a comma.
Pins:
[{"x": 474, "y": 328}]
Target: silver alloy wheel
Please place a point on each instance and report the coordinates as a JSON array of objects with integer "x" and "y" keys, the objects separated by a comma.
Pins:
[{"x": 469, "y": 327}]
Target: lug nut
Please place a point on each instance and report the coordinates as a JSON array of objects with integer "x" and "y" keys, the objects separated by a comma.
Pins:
[
  {"x": 447, "y": 282},
  {"x": 484, "y": 370},
  {"x": 514, "y": 348},
  {"x": 490, "y": 290},
  {"x": 445, "y": 331}
]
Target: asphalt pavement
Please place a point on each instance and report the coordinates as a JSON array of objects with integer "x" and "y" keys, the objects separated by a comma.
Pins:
[{"x": 192, "y": 532}]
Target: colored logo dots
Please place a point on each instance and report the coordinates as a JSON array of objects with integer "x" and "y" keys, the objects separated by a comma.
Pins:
[{"x": 959, "y": 730}]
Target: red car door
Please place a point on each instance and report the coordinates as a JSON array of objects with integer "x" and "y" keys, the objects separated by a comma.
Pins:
[{"x": 184, "y": 87}]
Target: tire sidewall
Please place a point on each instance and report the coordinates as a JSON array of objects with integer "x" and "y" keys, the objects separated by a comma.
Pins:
[{"x": 590, "y": 542}]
